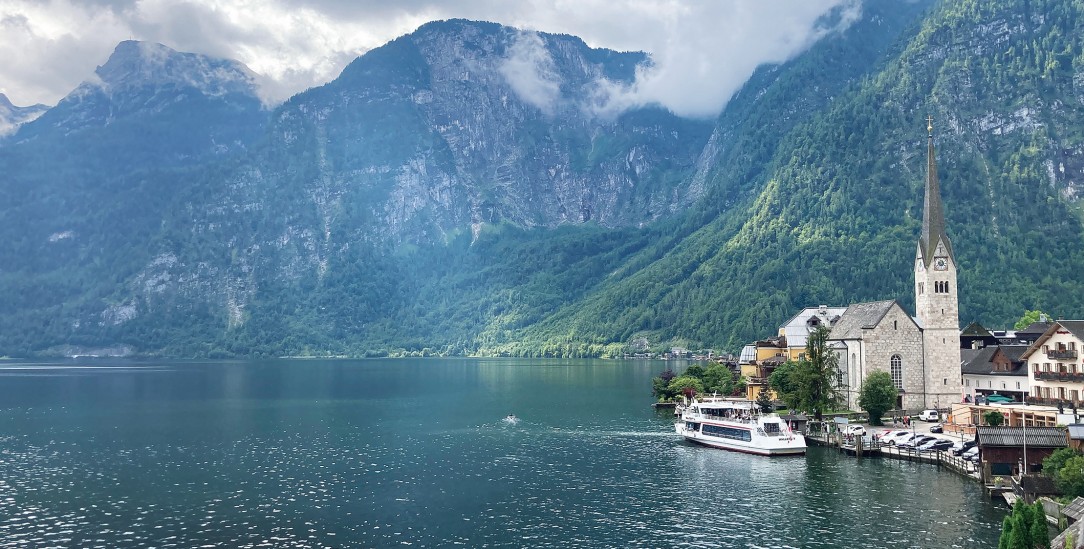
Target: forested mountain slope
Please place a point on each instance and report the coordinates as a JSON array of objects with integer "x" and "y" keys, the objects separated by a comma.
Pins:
[
  {"x": 459, "y": 191},
  {"x": 839, "y": 207}
]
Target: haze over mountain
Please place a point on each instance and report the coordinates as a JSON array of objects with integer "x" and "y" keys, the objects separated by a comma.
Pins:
[
  {"x": 11, "y": 117},
  {"x": 462, "y": 189}
]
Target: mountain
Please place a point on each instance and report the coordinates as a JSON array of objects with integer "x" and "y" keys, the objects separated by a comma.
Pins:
[
  {"x": 11, "y": 117},
  {"x": 459, "y": 190},
  {"x": 837, "y": 208},
  {"x": 88, "y": 182},
  {"x": 148, "y": 101}
]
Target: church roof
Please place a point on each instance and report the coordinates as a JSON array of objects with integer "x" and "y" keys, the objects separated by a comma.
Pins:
[
  {"x": 933, "y": 215},
  {"x": 859, "y": 317}
]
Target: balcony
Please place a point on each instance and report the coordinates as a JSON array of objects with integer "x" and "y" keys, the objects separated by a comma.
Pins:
[
  {"x": 1061, "y": 354},
  {"x": 1065, "y": 403},
  {"x": 1060, "y": 376}
]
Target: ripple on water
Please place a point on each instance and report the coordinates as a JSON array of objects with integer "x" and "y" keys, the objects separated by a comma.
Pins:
[{"x": 611, "y": 485}]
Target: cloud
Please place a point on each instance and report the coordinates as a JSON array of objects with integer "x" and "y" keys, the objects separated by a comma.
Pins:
[
  {"x": 530, "y": 72},
  {"x": 702, "y": 51}
]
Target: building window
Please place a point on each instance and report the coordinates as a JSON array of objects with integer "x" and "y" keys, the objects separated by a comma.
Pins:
[
  {"x": 1073, "y": 395},
  {"x": 1017, "y": 385},
  {"x": 1061, "y": 393},
  {"x": 897, "y": 371}
]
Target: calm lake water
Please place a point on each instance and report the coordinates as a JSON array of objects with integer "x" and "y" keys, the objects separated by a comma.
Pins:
[{"x": 380, "y": 453}]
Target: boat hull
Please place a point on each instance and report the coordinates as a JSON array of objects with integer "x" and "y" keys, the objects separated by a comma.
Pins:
[{"x": 761, "y": 446}]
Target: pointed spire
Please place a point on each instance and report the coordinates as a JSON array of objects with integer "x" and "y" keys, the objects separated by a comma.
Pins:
[{"x": 933, "y": 217}]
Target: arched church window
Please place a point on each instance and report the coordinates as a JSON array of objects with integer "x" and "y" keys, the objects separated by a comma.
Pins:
[{"x": 896, "y": 364}]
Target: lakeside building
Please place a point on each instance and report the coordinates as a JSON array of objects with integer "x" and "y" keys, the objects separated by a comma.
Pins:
[
  {"x": 1011, "y": 450},
  {"x": 921, "y": 353},
  {"x": 999, "y": 370},
  {"x": 760, "y": 359},
  {"x": 1055, "y": 371}
]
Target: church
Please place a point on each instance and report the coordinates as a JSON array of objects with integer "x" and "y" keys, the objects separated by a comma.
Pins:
[{"x": 921, "y": 353}]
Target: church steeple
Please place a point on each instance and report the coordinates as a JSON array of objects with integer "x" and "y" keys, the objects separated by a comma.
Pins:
[{"x": 933, "y": 217}]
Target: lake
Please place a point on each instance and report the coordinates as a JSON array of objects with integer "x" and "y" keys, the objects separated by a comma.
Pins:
[{"x": 416, "y": 452}]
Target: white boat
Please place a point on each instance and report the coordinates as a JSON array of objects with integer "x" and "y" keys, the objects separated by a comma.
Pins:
[{"x": 737, "y": 424}]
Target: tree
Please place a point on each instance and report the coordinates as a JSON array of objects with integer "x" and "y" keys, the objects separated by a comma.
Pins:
[
  {"x": 660, "y": 386},
  {"x": 1025, "y": 528},
  {"x": 1055, "y": 461},
  {"x": 783, "y": 382},
  {"x": 695, "y": 370},
  {"x": 993, "y": 418},
  {"x": 1029, "y": 318},
  {"x": 718, "y": 379},
  {"x": 764, "y": 400},
  {"x": 1070, "y": 478},
  {"x": 687, "y": 385},
  {"x": 816, "y": 375},
  {"x": 877, "y": 396}
]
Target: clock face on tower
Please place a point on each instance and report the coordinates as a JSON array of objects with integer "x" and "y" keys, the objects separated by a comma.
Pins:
[{"x": 940, "y": 264}]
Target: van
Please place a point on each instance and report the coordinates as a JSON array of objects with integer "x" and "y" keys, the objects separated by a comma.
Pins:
[{"x": 928, "y": 415}]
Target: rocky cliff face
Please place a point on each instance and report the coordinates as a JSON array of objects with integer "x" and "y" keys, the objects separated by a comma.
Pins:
[
  {"x": 457, "y": 127},
  {"x": 461, "y": 124}
]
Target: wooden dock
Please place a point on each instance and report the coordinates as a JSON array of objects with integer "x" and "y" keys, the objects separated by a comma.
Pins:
[{"x": 870, "y": 448}]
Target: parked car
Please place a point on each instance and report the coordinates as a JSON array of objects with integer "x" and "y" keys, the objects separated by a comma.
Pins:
[
  {"x": 929, "y": 415},
  {"x": 935, "y": 445},
  {"x": 916, "y": 441},
  {"x": 939, "y": 428},
  {"x": 961, "y": 447},
  {"x": 855, "y": 429},
  {"x": 971, "y": 454},
  {"x": 889, "y": 437},
  {"x": 906, "y": 437}
]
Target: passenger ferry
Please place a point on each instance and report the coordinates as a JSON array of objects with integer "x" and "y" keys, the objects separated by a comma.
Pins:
[{"x": 737, "y": 424}]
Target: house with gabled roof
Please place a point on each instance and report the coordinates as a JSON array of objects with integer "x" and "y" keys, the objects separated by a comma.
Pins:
[
  {"x": 1012, "y": 450},
  {"x": 997, "y": 370},
  {"x": 976, "y": 336},
  {"x": 796, "y": 330},
  {"x": 1055, "y": 369},
  {"x": 879, "y": 336}
]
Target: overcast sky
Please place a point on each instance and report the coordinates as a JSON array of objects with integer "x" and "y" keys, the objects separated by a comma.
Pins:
[{"x": 703, "y": 49}]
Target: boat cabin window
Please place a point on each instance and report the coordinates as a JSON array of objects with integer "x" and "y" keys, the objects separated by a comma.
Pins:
[{"x": 771, "y": 428}]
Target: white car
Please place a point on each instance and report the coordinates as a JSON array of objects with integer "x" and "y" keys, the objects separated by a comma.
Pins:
[
  {"x": 890, "y": 437},
  {"x": 855, "y": 429},
  {"x": 906, "y": 438}
]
